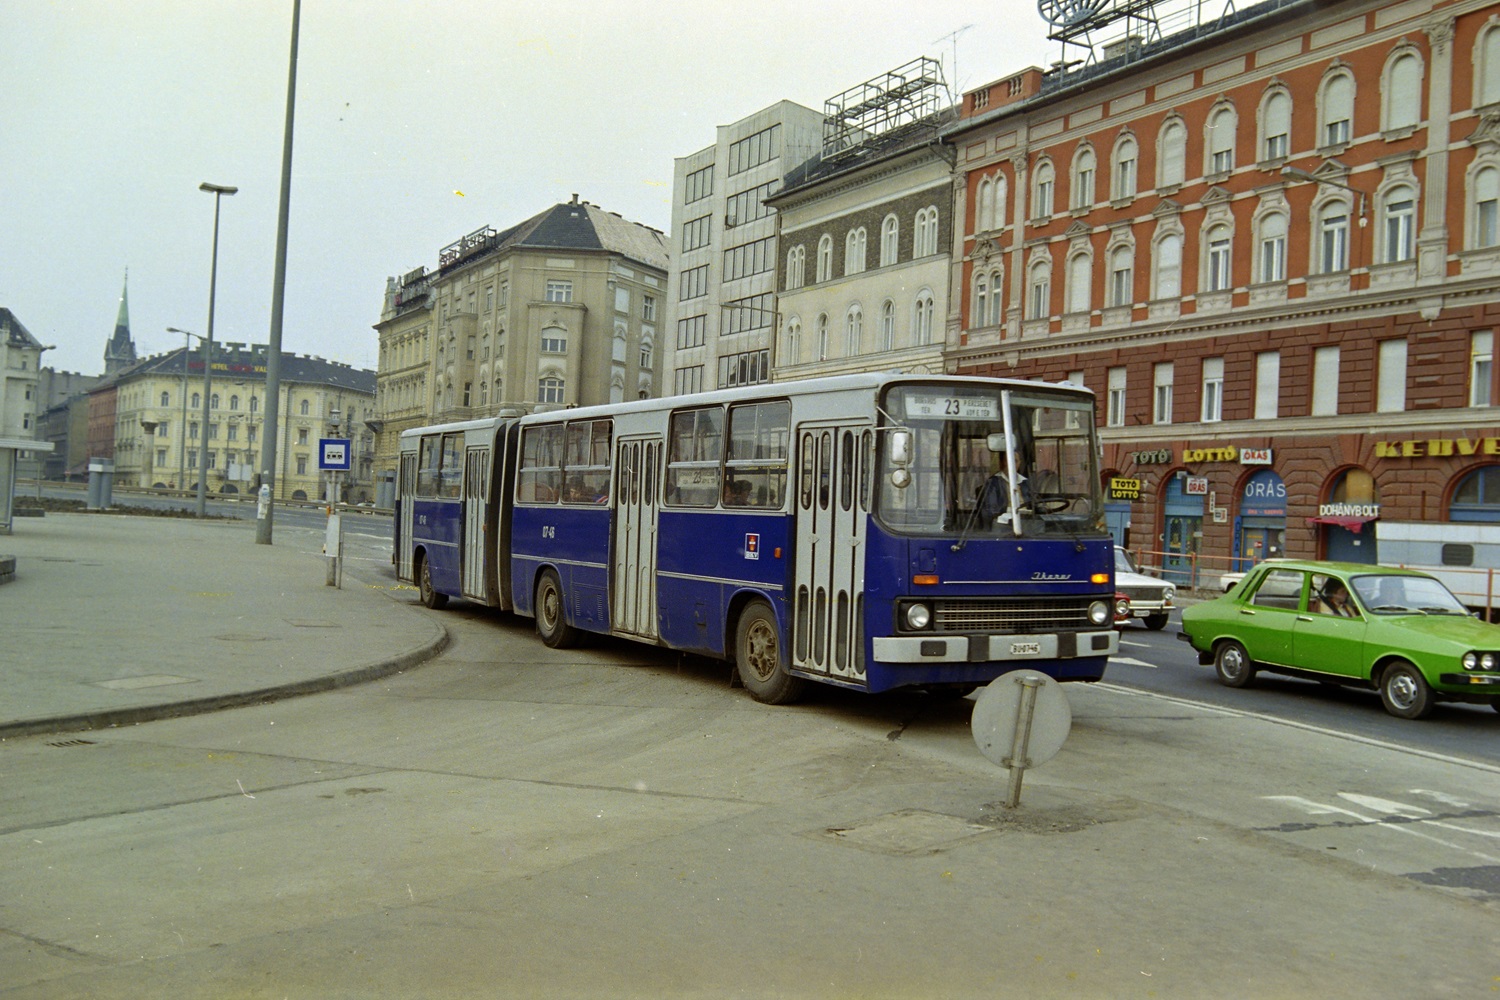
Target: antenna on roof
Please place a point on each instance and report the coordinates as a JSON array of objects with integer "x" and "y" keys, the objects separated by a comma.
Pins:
[{"x": 953, "y": 36}]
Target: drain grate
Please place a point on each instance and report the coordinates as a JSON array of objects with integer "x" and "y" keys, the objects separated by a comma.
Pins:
[{"x": 72, "y": 743}]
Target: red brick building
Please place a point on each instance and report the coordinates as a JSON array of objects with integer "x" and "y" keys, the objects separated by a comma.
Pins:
[{"x": 1271, "y": 245}]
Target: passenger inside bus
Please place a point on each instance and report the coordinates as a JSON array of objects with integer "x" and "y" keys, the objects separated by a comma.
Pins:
[{"x": 737, "y": 493}]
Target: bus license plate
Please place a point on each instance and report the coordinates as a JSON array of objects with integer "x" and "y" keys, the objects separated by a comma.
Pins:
[{"x": 1025, "y": 649}]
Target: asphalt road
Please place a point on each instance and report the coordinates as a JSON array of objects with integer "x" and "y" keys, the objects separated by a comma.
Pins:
[{"x": 1161, "y": 663}]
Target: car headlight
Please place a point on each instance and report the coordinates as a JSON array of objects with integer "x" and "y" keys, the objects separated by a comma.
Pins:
[
  {"x": 918, "y": 616},
  {"x": 1168, "y": 591},
  {"x": 1122, "y": 608},
  {"x": 1471, "y": 660},
  {"x": 1480, "y": 661},
  {"x": 1099, "y": 613}
]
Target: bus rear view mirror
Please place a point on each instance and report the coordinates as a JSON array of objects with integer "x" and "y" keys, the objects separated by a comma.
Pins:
[{"x": 901, "y": 447}]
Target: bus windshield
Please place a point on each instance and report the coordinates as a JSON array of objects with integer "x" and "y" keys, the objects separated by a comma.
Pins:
[{"x": 971, "y": 472}]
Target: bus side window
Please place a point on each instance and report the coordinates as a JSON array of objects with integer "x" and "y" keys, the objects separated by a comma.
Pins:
[
  {"x": 825, "y": 468},
  {"x": 756, "y": 463},
  {"x": 428, "y": 468},
  {"x": 540, "y": 478},
  {"x": 697, "y": 448},
  {"x": 451, "y": 475},
  {"x": 807, "y": 472}
]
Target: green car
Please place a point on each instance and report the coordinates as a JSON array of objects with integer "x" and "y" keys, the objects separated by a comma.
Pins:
[{"x": 1395, "y": 630}]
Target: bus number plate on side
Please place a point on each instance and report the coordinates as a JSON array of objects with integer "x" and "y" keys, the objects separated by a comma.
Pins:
[{"x": 1025, "y": 649}]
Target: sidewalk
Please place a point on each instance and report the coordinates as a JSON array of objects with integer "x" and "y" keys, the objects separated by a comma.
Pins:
[{"x": 115, "y": 620}]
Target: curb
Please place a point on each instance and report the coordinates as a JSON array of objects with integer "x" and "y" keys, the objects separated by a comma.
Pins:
[{"x": 114, "y": 718}]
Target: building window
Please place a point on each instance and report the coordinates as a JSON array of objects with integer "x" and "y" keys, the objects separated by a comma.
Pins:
[
  {"x": 1083, "y": 179},
  {"x": 301, "y": 434},
  {"x": 554, "y": 340},
  {"x": 989, "y": 210},
  {"x": 1271, "y": 255},
  {"x": 854, "y": 251},
  {"x": 854, "y": 332},
  {"x": 301, "y": 464},
  {"x": 1114, "y": 415},
  {"x": 1219, "y": 142},
  {"x": 559, "y": 291},
  {"x": 1080, "y": 282},
  {"x": 1399, "y": 230},
  {"x": 977, "y": 310},
  {"x": 166, "y": 399},
  {"x": 233, "y": 431},
  {"x": 549, "y": 389},
  {"x": 749, "y": 205},
  {"x": 925, "y": 233},
  {"x": 754, "y": 150},
  {"x": 796, "y": 266},
  {"x": 698, "y": 185},
  {"x": 890, "y": 236},
  {"x": 888, "y": 326},
  {"x": 646, "y": 357},
  {"x": 1336, "y": 108},
  {"x": 825, "y": 257},
  {"x": 648, "y": 308},
  {"x": 213, "y": 401},
  {"x": 1390, "y": 386},
  {"x": 696, "y": 233},
  {"x": 1218, "y": 254},
  {"x": 1123, "y": 183},
  {"x": 1168, "y": 267},
  {"x": 1481, "y": 367},
  {"x": 693, "y": 282},
  {"x": 1213, "y": 390},
  {"x": 1402, "y": 107},
  {"x": 689, "y": 380},
  {"x": 1172, "y": 154},
  {"x": 923, "y": 310},
  {"x": 1122, "y": 275},
  {"x": 1487, "y": 203},
  {"x": 1325, "y": 382},
  {"x": 1039, "y": 284},
  {"x": 690, "y": 331},
  {"x": 996, "y": 283},
  {"x": 1161, "y": 399},
  {"x": 1487, "y": 66},
  {"x": 750, "y": 258},
  {"x": 1276, "y": 125},
  {"x": 1333, "y": 238},
  {"x": 304, "y": 407},
  {"x": 822, "y": 336},
  {"x": 1267, "y": 385},
  {"x": 1041, "y": 191},
  {"x": 793, "y": 341}
]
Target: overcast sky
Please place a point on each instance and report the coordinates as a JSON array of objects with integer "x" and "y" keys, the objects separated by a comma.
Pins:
[{"x": 415, "y": 124}]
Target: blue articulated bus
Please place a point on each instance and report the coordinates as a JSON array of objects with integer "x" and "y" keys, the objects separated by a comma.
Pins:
[{"x": 869, "y": 531}]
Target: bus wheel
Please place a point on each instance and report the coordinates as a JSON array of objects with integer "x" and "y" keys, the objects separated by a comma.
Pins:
[
  {"x": 551, "y": 619},
  {"x": 759, "y": 660},
  {"x": 430, "y": 597}
]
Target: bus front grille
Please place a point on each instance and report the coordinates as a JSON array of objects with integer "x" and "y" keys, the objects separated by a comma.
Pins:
[{"x": 1020, "y": 615}]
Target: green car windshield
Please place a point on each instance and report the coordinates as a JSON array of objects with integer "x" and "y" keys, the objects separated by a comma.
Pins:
[{"x": 1406, "y": 595}]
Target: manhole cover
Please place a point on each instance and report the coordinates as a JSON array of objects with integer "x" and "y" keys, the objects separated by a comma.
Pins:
[{"x": 910, "y": 831}]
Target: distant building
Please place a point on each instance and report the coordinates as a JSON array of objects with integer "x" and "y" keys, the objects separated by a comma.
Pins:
[
  {"x": 722, "y": 311},
  {"x": 403, "y": 395},
  {"x": 119, "y": 352},
  {"x": 157, "y": 411},
  {"x": 20, "y": 359},
  {"x": 865, "y": 234}
]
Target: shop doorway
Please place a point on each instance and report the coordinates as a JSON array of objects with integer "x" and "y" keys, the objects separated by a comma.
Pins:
[{"x": 1182, "y": 530}]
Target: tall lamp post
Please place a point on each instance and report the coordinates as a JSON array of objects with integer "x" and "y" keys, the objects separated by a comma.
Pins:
[{"x": 218, "y": 191}]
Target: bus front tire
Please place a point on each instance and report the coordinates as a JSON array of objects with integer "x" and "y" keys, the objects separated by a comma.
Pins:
[
  {"x": 430, "y": 597},
  {"x": 551, "y": 613},
  {"x": 759, "y": 660}
]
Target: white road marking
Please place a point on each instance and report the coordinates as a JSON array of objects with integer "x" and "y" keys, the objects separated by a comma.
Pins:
[
  {"x": 1131, "y": 661},
  {"x": 1306, "y": 727},
  {"x": 1321, "y": 809}
]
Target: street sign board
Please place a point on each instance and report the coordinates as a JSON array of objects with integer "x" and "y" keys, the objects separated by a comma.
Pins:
[{"x": 333, "y": 454}]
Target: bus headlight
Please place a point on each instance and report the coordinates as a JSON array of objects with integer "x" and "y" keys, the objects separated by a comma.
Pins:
[
  {"x": 918, "y": 616},
  {"x": 1099, "y": 613}
]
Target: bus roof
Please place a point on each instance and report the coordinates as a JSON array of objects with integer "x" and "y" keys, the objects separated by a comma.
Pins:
[{"x": 776, "y": 390}]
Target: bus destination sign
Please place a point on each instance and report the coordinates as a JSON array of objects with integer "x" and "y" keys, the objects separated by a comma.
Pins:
[{"x": 935, "y": 406}]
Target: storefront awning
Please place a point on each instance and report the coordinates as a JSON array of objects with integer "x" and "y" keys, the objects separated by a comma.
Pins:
[{"x": 1352, "y": 523}]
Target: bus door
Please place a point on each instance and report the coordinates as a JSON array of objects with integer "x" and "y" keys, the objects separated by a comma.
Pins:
[
  {"x": 407, "y": 492},
  {"x": 633, "y": 580},
  {"x": 476, "y": 493},
  {"x": 829, "y": 572}
]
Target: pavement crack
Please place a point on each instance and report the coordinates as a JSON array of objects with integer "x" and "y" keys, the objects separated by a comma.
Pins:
[{"x": 54, "y": 948}]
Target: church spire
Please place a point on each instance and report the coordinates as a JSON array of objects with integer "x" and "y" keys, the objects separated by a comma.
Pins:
[{"x": 119, "y": 353}]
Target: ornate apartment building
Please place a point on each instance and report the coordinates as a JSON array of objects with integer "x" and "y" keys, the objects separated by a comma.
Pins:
[
  {"x": 562, "y": 309},
  {"x": 1271, "y": 245},
  {"x": 866, "y": 230}
]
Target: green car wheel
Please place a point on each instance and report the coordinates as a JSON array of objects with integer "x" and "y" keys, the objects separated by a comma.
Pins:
[{"x": 1233, "y": 665}]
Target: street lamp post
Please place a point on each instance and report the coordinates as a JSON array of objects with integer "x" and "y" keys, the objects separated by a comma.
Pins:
[{"x": 218, "y": 191}]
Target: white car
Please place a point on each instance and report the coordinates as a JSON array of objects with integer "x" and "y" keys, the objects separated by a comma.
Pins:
[{"x": 1150, "y": 598}]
